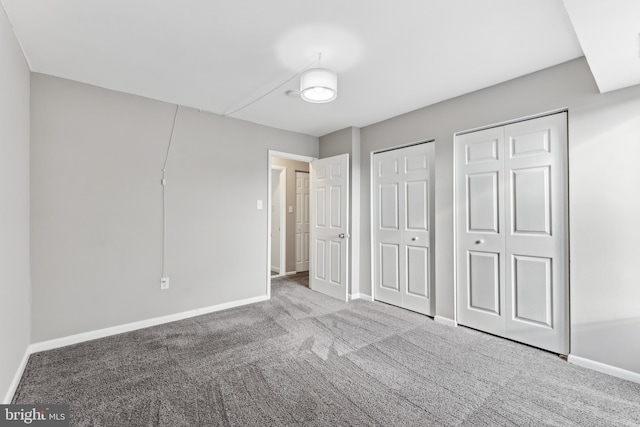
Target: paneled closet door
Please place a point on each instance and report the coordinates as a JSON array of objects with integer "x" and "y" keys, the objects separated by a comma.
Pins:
[
  {"x": 403, "y": 241},
  {"x": 479, "y": 168},
  {"x": 417, "y": 238},
  {"x": 388, "y": 197},
  {"x": 511, "y": 228},
  {"x": 536, "y": 199}
]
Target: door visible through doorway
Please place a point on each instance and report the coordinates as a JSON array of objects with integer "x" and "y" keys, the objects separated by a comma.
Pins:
[{"x": 302, "y": 221}]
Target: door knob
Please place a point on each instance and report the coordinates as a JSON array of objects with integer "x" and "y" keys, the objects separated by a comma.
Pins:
[
  {"x": 341, "y": 235},
  {"x": 479, "y": 241},
  {"x": 413, "y": 239}
]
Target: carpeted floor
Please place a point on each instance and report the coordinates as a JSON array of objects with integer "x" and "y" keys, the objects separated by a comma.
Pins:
[{"x": 306, "y": 359}]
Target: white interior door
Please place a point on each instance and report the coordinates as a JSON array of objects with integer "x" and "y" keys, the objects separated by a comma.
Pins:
[
  {"x": 417, "y": 238},
  {"x": 302, "y": 221},
  {"x": 536, "y": 199},
  {"x": 402, "y": 237},
  {"x": 329, "y": 206},
  {"x": 387, "y": 235},
  {"x": 511, "y": 227},
  {"x": 480, "y": 230}
]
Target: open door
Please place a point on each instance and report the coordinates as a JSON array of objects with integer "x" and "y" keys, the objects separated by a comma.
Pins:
[{"x": 329, "y": 206}]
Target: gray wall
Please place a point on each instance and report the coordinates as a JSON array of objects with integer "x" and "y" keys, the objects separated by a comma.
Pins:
[
  {"x": 292, "y": 166},
  {"x": 96, "y": 161},
  {"x": 335, "y": 143},
  {"x": 15, "y": 310},
  {"x": 604, "y": 145}
]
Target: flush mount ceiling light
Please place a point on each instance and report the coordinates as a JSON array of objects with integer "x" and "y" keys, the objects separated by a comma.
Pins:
[{"x": 319, "y": 85}]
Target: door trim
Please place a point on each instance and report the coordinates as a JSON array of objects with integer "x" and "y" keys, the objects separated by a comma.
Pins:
[
  {"x": 511, "y": 121},
  {"x": 372, "y": 252},
  {"x": 270, "y": 155}
]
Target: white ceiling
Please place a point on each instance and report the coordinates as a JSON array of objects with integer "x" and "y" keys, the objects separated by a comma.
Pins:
[
  {"x": 609, "y": 32},
  {"x": 392, "y": 56}
]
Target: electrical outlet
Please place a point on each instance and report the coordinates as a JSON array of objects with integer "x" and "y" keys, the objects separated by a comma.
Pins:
[{"x": 164, "y": 283}]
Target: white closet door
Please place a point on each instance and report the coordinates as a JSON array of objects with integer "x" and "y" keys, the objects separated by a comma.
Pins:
[
  {"x": 480, "y": 230},
  {"x": 511, "y": 228},
  {"x": 403, "y": 241},
  {"x": 417, "y": 238},
  {"x": 388, "y": 199},
  {"x": 536, "y": 199}
]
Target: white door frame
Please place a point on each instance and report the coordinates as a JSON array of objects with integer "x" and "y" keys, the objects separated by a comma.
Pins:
[
  {"x": 454, "y": 321},
  {"x": 283, "y": 218},
  {"x": 372, "y": 254},
  {"x": 270, "y": 156}
]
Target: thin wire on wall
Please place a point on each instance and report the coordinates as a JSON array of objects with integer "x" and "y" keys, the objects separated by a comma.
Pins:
[{"x": 164, "y": 199}]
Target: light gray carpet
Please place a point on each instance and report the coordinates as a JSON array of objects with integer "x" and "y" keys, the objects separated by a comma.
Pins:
[{"x": 306, "y": 359}]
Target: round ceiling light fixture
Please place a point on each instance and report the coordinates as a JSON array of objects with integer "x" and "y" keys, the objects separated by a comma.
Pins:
[{"x": 319, "y": 85}]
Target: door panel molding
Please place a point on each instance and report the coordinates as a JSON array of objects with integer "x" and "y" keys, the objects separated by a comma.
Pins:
[
  {"x": 485, "y": 272},
  {"x": 532, "y": 289}
]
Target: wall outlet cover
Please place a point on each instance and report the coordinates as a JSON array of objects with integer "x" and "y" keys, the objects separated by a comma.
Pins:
[{"x": 164, "y": 283}]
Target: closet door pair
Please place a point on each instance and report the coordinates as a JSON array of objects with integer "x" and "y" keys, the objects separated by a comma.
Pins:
[{"x": 511, "y": 198}]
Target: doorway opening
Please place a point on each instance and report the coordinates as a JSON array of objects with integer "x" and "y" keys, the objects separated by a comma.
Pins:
[
  {"x": 278, "y": 219},
  {"x": 288, "y": 223}
]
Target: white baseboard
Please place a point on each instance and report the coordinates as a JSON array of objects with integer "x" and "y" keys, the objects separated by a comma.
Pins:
[
  {"x": 16, "y": 378},
  {"x": 276, "y": 269},
  {"x": 289, "y": 273},
  {"x": 361, "y": 296},
  {"x": 604, "y": 368},
  {"x": 128, "y": 327},
  {"x": 445, "y": 321}
]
